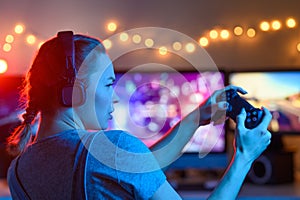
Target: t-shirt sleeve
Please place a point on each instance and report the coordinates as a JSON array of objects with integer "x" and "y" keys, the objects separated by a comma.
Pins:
[
  {"x": 136, "y": 165},
  {"x": 120, "y": 164}
]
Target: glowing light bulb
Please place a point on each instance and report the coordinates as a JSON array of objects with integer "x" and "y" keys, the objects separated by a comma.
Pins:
[
  {"x": 19, "y": 28},
  {"x": 264, "y": 26},
  {"x": 190, "y": 47},
  {"x": 177, "y": 46},
  {"x": 276, "y": 25},
  {"x": 31, "y": 39},
  {"x": 251, "y": 32},
  {"x": 149, "y": 43},
  {"x": 291, "y": 23},
  {"x": 9, "y": 38},
  {"x": 112, "y": 26},
  {"x": 136, "y": 39},
  {"x": 213, "y": 34},
  {"x": 124, "y": 37},
  {"x": 224, "y": 34},
  {"x": 163, "y": 50},
  {"x": 238, "y": 30},
  {"x": 7, "y": 47},
  {"x": 203, "y": 41},
  {"x": 107, "y": 44},
  {"x": 3, "y": 66},
  {"x": 298, "y": 47}
]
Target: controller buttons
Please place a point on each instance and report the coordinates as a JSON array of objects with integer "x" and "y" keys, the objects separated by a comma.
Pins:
[{"x": 254, "y": 119}]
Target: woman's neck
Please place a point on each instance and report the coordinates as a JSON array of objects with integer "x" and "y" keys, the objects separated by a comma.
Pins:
[{"x": 52, "y": 124}]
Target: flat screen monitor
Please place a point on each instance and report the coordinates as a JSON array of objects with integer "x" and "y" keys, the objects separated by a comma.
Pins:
[
  {"x": 279, "y": 91},
  {"x": 152, "y": 102}
]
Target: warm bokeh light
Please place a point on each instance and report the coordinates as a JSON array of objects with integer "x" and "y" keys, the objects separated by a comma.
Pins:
[
  {"x": 107, "y": 44},
  {"x": 19, "y": 28},
  {"x": 291, "y": 23},
  {"x": 6, "y": 47},
  {"x": 149, "y": 43},
  {"x": 251, "y": 32},
  {"x": 203, "y": 41},
  {"x": 238, "y": 30},
  {"x": 40, "y": 44},
  {"x": 136, "y": 38},
  {"x": 111, "y": 26},
  {"x": 31, "y": 39},
  {"x": 163, "y": 50},
  {"x": 9, "y": 38},
  {"x": 124, "y": 37},
  {"x": 3, "y": 66},
  {"x": 177, "y": 46},
  {"x": 276, "y": 25},
  {"x": 224, "y": 34},
  {"x": 298, "y": 47},
  {"x": 190, "y": 47},
  {"x": 213, "y": 34},
  {"x": 264, "y": 26}
]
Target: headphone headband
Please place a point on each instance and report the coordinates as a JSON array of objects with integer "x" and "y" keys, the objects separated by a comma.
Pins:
[
  {"x": 65, "y": 38},
  {"x": 72, "y": 94}
]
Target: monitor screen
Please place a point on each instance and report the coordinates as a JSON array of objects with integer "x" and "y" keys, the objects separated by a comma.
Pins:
[
  {"x": 279, "y": 91},
  {"x": 152, "y": 102}
]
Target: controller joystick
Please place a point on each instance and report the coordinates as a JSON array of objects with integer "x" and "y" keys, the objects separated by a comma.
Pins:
[{"x": 236, "y": 103}]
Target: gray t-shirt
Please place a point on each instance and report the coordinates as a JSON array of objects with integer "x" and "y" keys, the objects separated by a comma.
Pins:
[{"x": 117, "y": 165}]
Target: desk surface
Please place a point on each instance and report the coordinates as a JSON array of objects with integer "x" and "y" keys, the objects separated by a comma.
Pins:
[
  {"x": 251, "y": 191},
  {"x": 248, "y": 191}
]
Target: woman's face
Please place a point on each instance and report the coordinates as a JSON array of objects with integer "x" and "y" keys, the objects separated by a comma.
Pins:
[{"x": 97, "y": 110}]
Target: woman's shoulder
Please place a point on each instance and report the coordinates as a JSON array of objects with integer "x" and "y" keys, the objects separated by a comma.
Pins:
[{"x": 121, "y": 139}]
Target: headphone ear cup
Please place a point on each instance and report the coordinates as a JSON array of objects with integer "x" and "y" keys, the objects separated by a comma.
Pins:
[{"x": 73, "y": 95}]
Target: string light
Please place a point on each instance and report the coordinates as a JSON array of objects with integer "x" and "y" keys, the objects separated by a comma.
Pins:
[
  {"x": 264, "y": 26},
  {"x": 177, "y": 46},
  {"x": 19, "y": 28},
  {"x": 9, "y": 38},
  {"x": 238, "y": 30},
  {"x": 124, "y": 37},
  {"x": 107, "y": 44},
  {"x": 291, "y": 23},
  {"x": 136, "y": 39},
  {"x": 251, "y": 32},
  {"x": 112, "y": 26},
  {"x": 149, "y": 43},
  {"x": 276, "y": 25},
  {"x": 190, "y": 47},
  {"x": 203, "y": 41},
  {"x": 6, "y": 47},
  {"x": 213, "y": 34},
  {"x": 163, "y": 50},
  {"x": 298, "y": 47},
  {"x": 3, "y": 66},
  {"x": 31, "y": 39},
  {"x": 224, "y": 34}
]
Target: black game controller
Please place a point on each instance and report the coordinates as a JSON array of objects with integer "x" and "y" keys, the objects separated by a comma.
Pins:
[{"x": 236, "y": 103}]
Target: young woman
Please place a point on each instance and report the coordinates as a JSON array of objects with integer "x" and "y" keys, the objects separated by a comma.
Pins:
[{"x": 65, "y": 160}]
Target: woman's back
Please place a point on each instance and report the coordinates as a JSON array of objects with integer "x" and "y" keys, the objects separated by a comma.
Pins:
[{"x": 65, "y": 170}]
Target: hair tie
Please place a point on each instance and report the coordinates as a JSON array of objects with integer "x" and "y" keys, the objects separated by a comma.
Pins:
[{"x": 29, "y": 116}]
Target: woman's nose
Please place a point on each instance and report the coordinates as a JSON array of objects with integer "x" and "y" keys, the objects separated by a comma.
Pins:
[{"x": 115, "y": 97}]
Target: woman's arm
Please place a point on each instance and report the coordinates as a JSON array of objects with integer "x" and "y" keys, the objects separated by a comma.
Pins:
[
  {"x": 249, "y": 144},
  {"x": 169, "y": 148}
]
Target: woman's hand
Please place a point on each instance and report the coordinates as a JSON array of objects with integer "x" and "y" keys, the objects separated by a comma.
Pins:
[
  {"x": 252, "y": 142},
  {"x": 214, "y": 109}
]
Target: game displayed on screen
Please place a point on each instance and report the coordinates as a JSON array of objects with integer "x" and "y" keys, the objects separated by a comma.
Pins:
[
  {"x": 152, "y": 102},
  {"x": 279, "y": 91}
]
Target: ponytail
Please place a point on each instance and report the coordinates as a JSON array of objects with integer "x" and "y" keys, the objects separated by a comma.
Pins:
[{"x": 22, "y": 136}]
